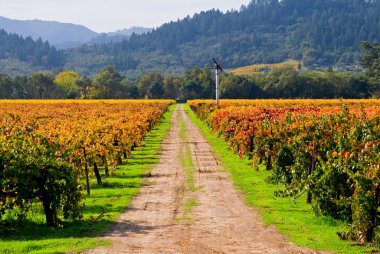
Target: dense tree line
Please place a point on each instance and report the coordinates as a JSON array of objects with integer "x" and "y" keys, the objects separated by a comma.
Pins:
[
  {"x": 13, "y": 46},
  {"x": 195, "y": 83},
  {"x": 108, "y": 84},
  {"x": 318, "y": 32},
  {"x": 288, "y": 83},
  {"x": 285, "y": 82}
]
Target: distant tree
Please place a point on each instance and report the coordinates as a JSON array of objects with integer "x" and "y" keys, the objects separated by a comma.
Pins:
[
  {"x": 132, "y": 91},
  {"x": 67, "y": 81},
  {"x": 156, "y": 90},
  {"x": 6, "y": 86},
  {"x": 360, "y": 87},
  {"x": 371, "y": 62},
  {"x": 288, "y": 83},
  {"x": 172, "y": 87},
  {"x": 239, "y": 87},
  {"x": 150, "y": 83},
  {"x": 198, "y": 83},
  {"x": 282, "y": 83},
  {"x": 347, "y": 85},
  {"x": 21, "y": 88},
  {"x": 107, "y": 84},
  {"x": 41, "y": 86},
  {"x": 315, "y": 85},
  {"x": 190, "y": 89},
  {"x": 371, "y": 58},
  {"x": 206, "y": 79},
  {"x": 84, "y": 84}
]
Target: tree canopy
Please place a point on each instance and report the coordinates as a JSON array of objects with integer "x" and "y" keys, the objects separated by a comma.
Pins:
[
  {"x": 67, "y": 81},
  {"x": 197, "y": 82},
  {"x": 371, "y": 62}
]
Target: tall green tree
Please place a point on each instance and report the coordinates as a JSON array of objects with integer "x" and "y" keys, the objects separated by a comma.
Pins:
[
  {"x": 6, "y": 87},
  {"x": 198, "y": 83},
  {"x": 41, "y": 86},
  {"x": 20, "y": 87},
  {"x": 107, "y": 84},
  {"x": 84, "y": 85},
  {"x": 172, "y": 86},
  {"x": 371, "y": 62},
  {"x": 156, "y": 90},
  {"x": 149, "y": 84},
  {"x": 239, "y": 87},
  {"x": 67, "y": 81},
  {"x": 132, "y": 92}
]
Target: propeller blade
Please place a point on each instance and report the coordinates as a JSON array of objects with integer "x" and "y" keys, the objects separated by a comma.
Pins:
[{"x": 217, "y": 65}]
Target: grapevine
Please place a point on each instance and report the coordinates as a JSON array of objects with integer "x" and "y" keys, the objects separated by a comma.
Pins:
[
  {"x": 328, "y": 150},
  {"x": 49, "y": 147}
]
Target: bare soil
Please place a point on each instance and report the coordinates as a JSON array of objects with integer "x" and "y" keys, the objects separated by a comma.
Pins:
[{"x": 161, "y": 220}]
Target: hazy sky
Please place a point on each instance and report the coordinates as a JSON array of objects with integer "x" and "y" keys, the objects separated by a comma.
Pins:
[{"x": 111, "y": 15}]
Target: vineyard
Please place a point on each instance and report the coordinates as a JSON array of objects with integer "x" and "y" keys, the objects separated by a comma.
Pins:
[
  {"x": 326, "y": 151},
  {"x": 263, "y": 68},
  {"x": 50, "y": 150},
  {"x": 75, "y": 166}
]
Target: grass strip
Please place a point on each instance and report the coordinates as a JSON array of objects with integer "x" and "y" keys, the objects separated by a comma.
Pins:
[
  {"x": 295, "y": 220},
  {"x": 102, "y": 207},
  {"x": 188, "y": 165}
]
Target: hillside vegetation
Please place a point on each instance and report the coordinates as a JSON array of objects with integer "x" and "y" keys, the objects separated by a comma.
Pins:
[
  {"x": 320, "y": 33},
  {"x": 27, "y": 50}
]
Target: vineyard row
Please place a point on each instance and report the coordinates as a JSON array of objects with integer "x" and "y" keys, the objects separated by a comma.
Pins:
[
  {"x": 48, "y": 147},
  {"x": 327, "y": 151}
]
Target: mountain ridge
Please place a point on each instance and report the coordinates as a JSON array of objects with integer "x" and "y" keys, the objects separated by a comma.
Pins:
[
  {"x": 64, "y": 35},
  {"x": 52, "y": 31},
  {"x": 117, "y": 36}
]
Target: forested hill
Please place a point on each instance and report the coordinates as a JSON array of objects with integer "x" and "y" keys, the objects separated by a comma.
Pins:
[
  {"x": 318, "y": 32},
  {"x": 33, "y": 52}
]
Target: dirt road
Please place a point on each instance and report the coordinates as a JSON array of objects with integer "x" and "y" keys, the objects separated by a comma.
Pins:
[{"x": 189, "y": 205}]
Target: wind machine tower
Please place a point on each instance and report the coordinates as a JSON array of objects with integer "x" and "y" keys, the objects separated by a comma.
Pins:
[{"x": 218, "y": 69}]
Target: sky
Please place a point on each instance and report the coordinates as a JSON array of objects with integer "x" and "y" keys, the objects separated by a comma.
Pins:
[{"x": 111, "y": 15}]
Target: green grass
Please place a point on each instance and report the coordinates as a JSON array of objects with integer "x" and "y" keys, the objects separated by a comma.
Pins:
[
  {"x": 102, "y": 207},
  {"x": 188, "y": 165},
  {"x": 189, "y": 205},
  {"x": 295, "y": 220},
  {"x": 187, "y": 160}
]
